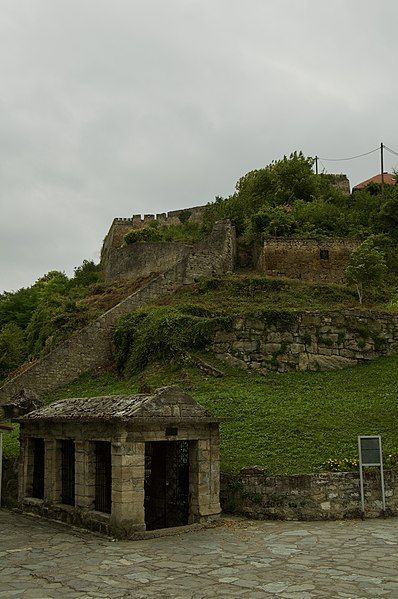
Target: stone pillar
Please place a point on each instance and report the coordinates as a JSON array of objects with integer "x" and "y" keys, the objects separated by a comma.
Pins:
[
  {"x": 205, "y": 478},
  {"x": 84, "y": 474},
  {"x": 128, "y": 474},
  {"x": 214, "y": 504}
]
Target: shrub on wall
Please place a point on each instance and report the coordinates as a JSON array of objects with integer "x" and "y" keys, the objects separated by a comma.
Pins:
[
  {"x": 163, "y": 332},
  {"x": 184, "y": 231}
]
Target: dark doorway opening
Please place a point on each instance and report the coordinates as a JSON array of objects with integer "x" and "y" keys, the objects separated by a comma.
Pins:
[
  {"x": 68, "y": 472},
  {"x": 166, "y": 484},
  {"x": 38, "y": 468},
  {"x": 103, "y": 477}
]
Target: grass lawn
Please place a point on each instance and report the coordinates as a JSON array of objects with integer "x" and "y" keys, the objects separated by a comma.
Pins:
[
  {"x": 242, "y": 292},
  {"x": 289, "y": 423}
]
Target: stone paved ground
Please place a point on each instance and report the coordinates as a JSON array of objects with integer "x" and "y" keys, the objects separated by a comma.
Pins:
[{"x": 241, "y": 558}]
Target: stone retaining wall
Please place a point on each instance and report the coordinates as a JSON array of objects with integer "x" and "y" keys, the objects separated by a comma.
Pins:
[
  {"x": 287, "y": 341},
  {"x": 324, "y": 496}
]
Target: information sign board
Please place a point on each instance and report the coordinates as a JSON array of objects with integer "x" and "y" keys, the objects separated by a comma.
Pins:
[{"x": 370, "y": 454}]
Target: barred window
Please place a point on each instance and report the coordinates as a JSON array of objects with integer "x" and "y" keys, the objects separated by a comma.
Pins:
[
  {"x": 324, "y": 254},
  {"x": 68, "y": 472},
  {"x": 103, "y": 476},
  {"x": 38, "y": 468}
]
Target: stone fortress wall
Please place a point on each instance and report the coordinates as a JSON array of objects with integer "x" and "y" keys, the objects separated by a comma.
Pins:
[
  {"x": 289, "y": 341},
  {"x": 120, "y": 226},
  {"x": 307, "y": 259}
]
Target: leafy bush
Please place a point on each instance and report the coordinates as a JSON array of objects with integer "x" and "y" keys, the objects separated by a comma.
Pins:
[
  {"x": 167, "y": 333},
  {"x": 13, "y": 349},
  {"x": 34, "y": 319},
  {"x": 366, "y": 267},
  {"x": 185, "y": 232}
]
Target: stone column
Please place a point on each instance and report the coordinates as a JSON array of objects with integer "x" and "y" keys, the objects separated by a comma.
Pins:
[
  {"x": 205, "y": 478},
  {"x": 214, "y": 503},
  {"x": 128, "y": 474}
]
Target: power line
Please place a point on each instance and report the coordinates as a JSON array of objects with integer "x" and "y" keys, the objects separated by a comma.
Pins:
[
  {"x": 350, "y": 157},
  {"x": 391, "y": 151}
]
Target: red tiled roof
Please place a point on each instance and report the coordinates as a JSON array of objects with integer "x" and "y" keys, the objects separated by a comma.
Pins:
[{"x": 389, "y": 179}]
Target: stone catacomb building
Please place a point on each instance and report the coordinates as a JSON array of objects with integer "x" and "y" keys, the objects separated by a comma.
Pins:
[{"x": 121, "y": 464}]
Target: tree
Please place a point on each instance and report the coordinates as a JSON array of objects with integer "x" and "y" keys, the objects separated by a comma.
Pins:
[
  {"x": 366, "y": 267},
  {"x": 12, "y": 348}
]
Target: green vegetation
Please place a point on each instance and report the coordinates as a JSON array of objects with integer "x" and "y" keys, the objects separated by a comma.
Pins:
[
  {"x": 33, "y": 320},
  {"x": 286, "y": 198},
  {"x": 185, "y": 231},
  {"x": 241, "y": 293},
  {"x": 162, "y": 333},
  {"x": 366, "y": 267},
  {"x": 290, "y": 423}
]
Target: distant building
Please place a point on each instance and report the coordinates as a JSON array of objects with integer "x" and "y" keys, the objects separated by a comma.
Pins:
[{"x": 389, "y": 179}]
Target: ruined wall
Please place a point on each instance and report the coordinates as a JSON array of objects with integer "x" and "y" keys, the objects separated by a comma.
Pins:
[
  {"x": 324, "y": 496},
  {"x": 308, "y": 259},
  {"x": 91, "y": 348},
  {"x": 121, "y": 226},
  {"x": 214, "y": 255},
  {"x": 140, "y": 260},
  {"x": 288, "y": 341}
]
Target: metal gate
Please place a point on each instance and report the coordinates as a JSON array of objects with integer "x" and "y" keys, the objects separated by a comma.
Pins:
[
  {"x": 166, "y": 484},
  {"x": 38, "y": 468},
  {"x": 68, "y": 472},
  {"x": 103, "y": 477}
]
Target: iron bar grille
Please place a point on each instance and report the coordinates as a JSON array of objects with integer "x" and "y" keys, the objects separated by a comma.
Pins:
[
  {"x": 38, "y": 468},
  {"x": 68, "y": 472},
  {"x": 166, "y": 484},
  {"x": 103, "y": 477}
]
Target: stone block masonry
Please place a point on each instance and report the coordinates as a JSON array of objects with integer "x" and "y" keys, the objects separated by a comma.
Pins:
[
  {"x": 323, "y": 496},
  {"x": 91, "y": 347},
  {"x": 288, "y": 341},
  {"x": 307, "y": 259},
  {"x": 120, "y": 226},
  {"x": 214, "y": 255}
]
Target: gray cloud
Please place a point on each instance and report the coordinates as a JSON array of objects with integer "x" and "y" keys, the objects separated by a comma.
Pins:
[{"x": 110, "y": 109}]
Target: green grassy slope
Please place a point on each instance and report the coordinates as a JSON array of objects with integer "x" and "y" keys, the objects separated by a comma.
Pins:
[
  {"x": 289, "y": 423},
  {"x": 243, "y": 292}
]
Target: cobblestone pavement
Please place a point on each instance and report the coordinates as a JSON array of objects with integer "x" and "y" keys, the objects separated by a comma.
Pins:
[{"x": 241, "y": 558}]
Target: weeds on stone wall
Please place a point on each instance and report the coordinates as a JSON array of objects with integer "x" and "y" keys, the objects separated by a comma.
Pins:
[
  {"x": 185, "y": 231},
  {"x": 163, "y": 333}
]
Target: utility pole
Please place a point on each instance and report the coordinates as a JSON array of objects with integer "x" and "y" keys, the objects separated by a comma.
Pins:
[
  {"x": 382, "y": 166},
  {"x": 316, "y": 165}
]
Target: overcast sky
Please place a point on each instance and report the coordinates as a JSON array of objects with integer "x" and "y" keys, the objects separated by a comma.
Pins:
[{"x": 110, "y": 108}]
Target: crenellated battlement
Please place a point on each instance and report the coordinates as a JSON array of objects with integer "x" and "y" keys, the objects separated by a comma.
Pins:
[
  {"x": 166, "y": 218},
  {"x": 121, "y": 226}
]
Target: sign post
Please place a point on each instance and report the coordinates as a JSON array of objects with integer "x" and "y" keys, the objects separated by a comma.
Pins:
[{"x": 370, "y": 454}]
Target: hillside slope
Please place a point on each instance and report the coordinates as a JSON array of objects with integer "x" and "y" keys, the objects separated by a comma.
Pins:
[{"x": 288, "y": 423}]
